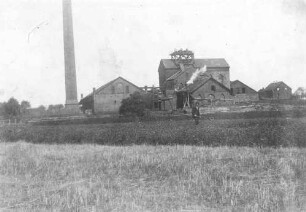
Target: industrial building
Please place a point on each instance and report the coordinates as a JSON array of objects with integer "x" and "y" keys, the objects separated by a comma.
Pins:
[
  {"x": 242, "y": 92},
  {"x": 177, "y": 79},
  {"x": 276, "y": 90},
  {"x": 182, "y": 78},
  {"x": 107, "y": 98}
]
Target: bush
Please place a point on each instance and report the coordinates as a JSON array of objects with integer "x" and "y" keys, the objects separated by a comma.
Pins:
[{"x": 133, "y": 105}]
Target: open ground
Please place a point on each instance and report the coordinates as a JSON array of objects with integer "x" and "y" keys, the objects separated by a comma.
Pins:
[
  {"x": 39, "y": 177},
  {"x": 219, "y": 165}
]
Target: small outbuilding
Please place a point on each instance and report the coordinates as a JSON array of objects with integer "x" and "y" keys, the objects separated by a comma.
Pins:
[
  {"x": 276, "y": 90},
  {"x": 242, "y": 92}
]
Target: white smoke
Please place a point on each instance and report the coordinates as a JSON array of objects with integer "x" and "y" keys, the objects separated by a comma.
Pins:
[{"x": 196, "y": 74}]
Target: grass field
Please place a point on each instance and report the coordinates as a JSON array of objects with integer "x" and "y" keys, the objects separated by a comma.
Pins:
[
  {"x": 219, "y": 165},
  {"x": 264, "y": 132},
  {"x": 88, "y": 177}
]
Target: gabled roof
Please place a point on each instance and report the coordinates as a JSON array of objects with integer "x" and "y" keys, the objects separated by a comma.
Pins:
[
  {"x": 174, "y": 76},
  {"x": 193, "y": 88},
  {"x": 198, "y": 63},
  {"x": 275, "y": 85},
  {"x": 179, "y": 73},
  {"x": 238, "y": 81},
  {"x": 109, "y": 83}
]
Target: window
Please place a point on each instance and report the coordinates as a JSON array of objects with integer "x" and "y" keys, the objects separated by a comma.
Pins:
[
  {"x": 113, "y": 89},
  {"x": 127, "y": 89},
  {"x": 232, "y": 91},
  {"x": 238, "y": 90},
  {"x": 243, "y": 90},
  {"x": 211, "y": 96},
  {"x": 119, "y": 88},
  {"x": 213, "y": 88}
]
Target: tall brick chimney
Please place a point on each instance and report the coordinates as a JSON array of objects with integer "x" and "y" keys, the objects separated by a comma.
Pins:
[{"x": 70, "y": 72}]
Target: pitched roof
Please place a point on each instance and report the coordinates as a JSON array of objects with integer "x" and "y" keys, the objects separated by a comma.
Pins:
[
  {"x": 274, "y": 85},
  {"x": 174, "y": 76},
  {"x": 109, "y": 83},
  {"x": 238, "y": 81},
  {"x": 198, "y": 63},
  {"x": 179, "y": 73},
  {"x": 193, "y": 88}
]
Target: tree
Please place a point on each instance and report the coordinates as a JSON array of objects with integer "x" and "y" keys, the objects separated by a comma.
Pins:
[
  {"x": 55, "y": 107},
  {"x": 24, "y": 105},
  {"x": 42, "y": 108},
  {"x": 2, "y": 108},
  {"x": 50, "y": 107},
  {"x": 133, "y": 105},
  {"x": 12, "y": 108}
]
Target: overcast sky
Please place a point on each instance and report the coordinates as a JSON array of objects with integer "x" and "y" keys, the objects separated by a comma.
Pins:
[{"x": 263, "y": 41}]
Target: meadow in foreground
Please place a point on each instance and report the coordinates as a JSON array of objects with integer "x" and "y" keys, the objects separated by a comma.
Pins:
[
  {"x": 264, "y": 132},
  {"x": 87, "y": 177}
]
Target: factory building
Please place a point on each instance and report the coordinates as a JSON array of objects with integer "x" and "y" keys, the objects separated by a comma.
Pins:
[
  {"x": 178, "y": 81},
  {"x": 107, "y": 98}
]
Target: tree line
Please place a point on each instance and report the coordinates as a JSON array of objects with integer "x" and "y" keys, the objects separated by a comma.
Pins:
[{"x": 13, "y": 109}]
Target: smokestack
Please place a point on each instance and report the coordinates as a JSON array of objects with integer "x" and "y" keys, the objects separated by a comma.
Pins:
[{"x": 70, "y": 73}]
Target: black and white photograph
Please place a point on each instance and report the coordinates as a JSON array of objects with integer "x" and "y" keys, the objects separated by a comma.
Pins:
[{"x": 153, "y": 106}]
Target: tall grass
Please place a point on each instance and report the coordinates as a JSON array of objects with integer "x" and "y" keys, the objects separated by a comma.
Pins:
[
  {"x": 151, "y": 178},
  {"x": 268, "y": 132}
]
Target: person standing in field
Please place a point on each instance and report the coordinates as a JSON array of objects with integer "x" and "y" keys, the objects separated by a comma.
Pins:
[{"x": 196, "y": 112}]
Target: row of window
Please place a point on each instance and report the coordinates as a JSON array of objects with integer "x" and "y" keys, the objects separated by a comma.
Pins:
[
  {"x": 238, "y": 90},
  {"x": 279, "y": 89},
  {"x": 119, "y": 89}
]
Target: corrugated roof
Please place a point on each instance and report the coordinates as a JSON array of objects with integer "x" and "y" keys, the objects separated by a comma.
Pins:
[{"x": 198, "y": 63}]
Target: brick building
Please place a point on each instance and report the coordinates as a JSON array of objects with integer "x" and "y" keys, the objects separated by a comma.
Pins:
[
  {"x": 107, "y": 98},
  {"x": 276, "y": 90},
  {"x": 242, "y": 92},
  {"x": 174, "y": 73}
]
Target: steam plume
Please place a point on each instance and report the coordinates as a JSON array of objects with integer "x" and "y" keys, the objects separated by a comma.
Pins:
[{"x": 196, "y": 74}]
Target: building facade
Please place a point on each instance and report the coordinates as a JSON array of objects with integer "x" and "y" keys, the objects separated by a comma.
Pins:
[
  {"x": 177, "y": 80},
  {"x": 276, "y": 90},
  {"x": 107, "y": 98},
  {"x": 242, "y": 92}
]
